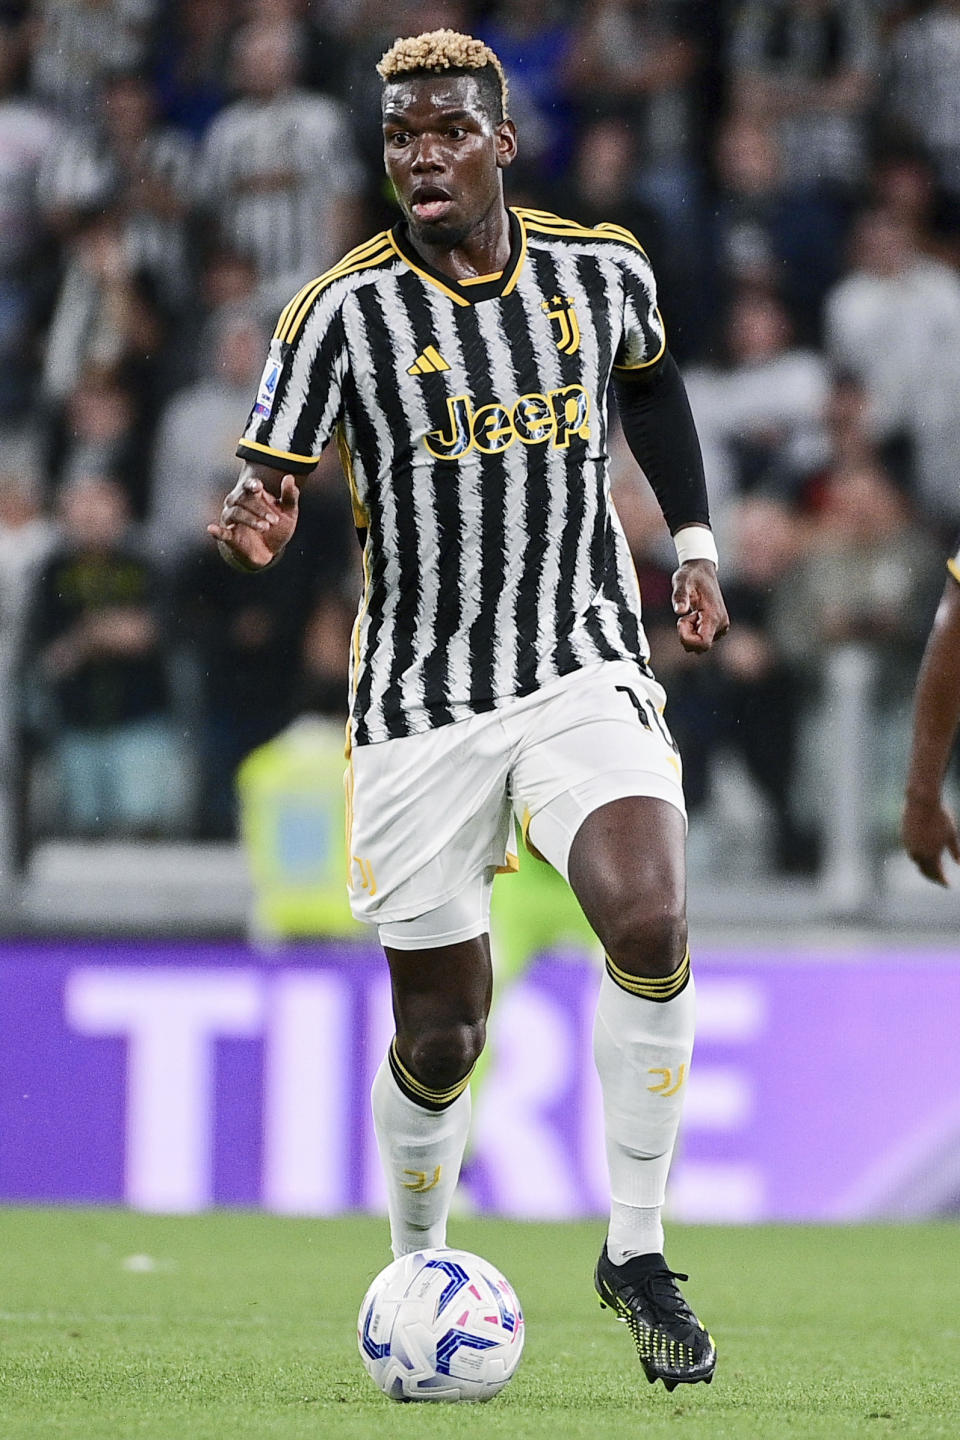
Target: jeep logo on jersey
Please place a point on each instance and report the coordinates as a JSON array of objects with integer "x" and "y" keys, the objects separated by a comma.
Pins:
[{"x": 533, "y": 419}]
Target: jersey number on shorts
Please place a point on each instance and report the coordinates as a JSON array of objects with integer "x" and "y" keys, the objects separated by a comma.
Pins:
[{"x": 646, "y": 713}]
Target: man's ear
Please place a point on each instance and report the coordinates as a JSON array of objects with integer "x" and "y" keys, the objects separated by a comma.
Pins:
[{"x": 506, "y": 141}]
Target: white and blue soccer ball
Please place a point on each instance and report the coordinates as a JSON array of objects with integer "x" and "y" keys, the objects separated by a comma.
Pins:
[{"x": 440, "y": 1325}]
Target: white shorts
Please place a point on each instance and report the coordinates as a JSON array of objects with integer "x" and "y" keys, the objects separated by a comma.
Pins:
[{"x": 431, "y": 817}]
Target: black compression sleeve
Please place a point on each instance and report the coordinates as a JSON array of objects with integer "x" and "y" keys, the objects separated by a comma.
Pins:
[{"x": 659, "y": 429}]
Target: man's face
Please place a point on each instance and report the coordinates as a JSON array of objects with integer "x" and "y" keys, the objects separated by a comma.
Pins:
[{"x": 444, "y": 154}]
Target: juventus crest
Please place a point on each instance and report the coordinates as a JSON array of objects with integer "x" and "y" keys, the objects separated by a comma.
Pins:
[{"x": 560, "y": 310}]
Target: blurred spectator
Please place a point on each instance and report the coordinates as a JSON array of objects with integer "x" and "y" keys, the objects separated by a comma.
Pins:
[
  {"x": 534, "y": 43},
  {"x": 227, "y": 278},
  {"x": 749, "y": 699},
  {"x": 226, "y": 282},
  {"x": 191, "y": 62},
  {"x": 197, "y": 435},
  {"x": 28, "y": 134},
  {"x": 870, "y": 577},
  {"x": 105, "y": 372},
  {"x": 770, "y": 232},
  {"x": 859, "y": 606},
  {"x": 324, "y": 680},
  {"x": 639, "y": 59},
  {"x": 93, "y": 323},
  {"x": 760, "y": 416},
  {"x": 77, "y": 42},
  {"x": 904, "y": 184},
  {"x": 894, "y": 323},
  {"x": 599, "y": 187},
  {"x": 247, "y": 633},
  {"x": 140, "y": 170},
  {"x": 851, "y": 443},
  {"x": 95, "y": 649},
  {"x": 924, "y": 56},
  {"x": 279, "y": 177},
  {"x": 318, "y": 56},
  {"x": 809, "y": 67},
  {"x": 100, "y": 433}
]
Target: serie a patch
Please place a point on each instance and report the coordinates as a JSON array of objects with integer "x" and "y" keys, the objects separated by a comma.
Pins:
[{"x": 267, "y": 392}]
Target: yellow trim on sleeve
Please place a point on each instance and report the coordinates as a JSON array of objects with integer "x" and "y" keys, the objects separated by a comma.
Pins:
[
  {"x": 280, "y": 454},
  {"x": 632, "y": 369},
  {"x": 954, "y": 567}
]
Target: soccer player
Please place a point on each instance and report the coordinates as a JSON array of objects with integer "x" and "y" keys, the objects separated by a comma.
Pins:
[
  {"x": 928, "y": 829},
  {"x": 499, "y": 665}
]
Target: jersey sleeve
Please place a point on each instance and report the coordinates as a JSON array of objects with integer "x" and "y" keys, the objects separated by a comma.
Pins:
[
  {"x": 643, "y": 341},
  {"x": 299, "y": 400}
]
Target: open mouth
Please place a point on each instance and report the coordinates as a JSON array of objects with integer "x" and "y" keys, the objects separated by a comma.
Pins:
[{"x": 429, "y": 203}]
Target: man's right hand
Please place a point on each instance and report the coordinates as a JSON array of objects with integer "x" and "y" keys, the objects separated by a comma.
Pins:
[{"x": 254, "y": 525}]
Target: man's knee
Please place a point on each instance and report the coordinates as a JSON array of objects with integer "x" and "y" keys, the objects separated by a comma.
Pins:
[
  {"x": 647, "y": 937},
  {"x": 441, "y": 1055}
]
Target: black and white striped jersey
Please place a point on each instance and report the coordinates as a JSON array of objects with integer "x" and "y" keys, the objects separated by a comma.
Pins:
[
  {"x": 471, "y": 419},
  {"x": 269, "y": 174}
]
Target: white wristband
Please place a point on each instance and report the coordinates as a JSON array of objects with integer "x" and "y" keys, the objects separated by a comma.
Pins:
[{"x": 695, "y": 542}]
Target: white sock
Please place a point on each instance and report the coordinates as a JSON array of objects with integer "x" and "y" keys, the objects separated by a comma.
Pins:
[
  {"x": 420, "y": 1151},
  {"x": 642, "y": 1049}
]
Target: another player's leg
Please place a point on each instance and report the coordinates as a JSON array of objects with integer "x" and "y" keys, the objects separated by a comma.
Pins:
[
  {"x": 421, "y": 1099},
  {"x": 626, "y": 866}
]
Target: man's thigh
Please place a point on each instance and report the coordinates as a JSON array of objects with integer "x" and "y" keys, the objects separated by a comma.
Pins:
[{"x": 627, "y": 868}]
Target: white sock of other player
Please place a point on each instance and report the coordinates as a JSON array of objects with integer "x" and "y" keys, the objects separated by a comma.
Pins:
[
  {"x": 421, "y": 1143},
  {"x": 643, "y": 1040}
]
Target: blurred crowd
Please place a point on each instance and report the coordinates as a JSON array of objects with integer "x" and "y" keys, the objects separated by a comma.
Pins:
[{"x": 170, "y": 173}]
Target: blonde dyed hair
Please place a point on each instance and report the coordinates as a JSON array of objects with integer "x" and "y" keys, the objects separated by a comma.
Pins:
[{"x": 439, "y": 50}]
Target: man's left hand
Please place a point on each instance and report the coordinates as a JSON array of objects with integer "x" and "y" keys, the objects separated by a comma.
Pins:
[{"x": 698, "y": 605}]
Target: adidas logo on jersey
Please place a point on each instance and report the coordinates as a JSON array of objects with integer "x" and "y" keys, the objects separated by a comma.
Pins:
[{"x": 428, "y": 361}]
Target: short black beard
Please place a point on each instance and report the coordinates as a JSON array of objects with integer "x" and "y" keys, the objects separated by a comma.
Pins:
[{"x": 439, "y": 237}]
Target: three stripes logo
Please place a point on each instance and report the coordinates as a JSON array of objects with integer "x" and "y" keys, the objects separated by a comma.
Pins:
[
  {"x": 560, "y": 309},
  {"x": 428, "y": 361}
]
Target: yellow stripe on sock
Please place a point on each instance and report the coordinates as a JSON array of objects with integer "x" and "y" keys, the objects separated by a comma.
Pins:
[
  {"x": 424, "y": 1092},
  {"x": 660, "y": 988}
]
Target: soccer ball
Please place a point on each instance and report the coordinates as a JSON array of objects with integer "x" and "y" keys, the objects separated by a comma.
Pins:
[{"x": 440, "y": 1325}]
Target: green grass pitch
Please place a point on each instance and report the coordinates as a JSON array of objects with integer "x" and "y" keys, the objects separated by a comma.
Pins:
[{"x": 237, "y": 1326}]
